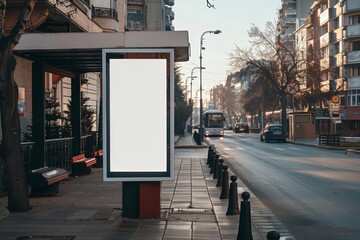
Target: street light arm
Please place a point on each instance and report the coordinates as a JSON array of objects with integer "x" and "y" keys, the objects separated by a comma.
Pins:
[{"x": 209, "y": 5}]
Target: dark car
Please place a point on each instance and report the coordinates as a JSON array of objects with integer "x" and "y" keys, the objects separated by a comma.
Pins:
[
  {"x": 241, "y": 127},
  {"x": 229, "y": 127},
  {"x": 273, "y": 132}
]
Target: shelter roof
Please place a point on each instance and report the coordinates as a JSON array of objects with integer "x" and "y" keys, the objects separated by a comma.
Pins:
[{"x": 82, "y": 52}]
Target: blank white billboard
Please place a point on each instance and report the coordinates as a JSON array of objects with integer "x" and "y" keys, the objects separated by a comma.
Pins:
[{"x": 138, "y": 117}]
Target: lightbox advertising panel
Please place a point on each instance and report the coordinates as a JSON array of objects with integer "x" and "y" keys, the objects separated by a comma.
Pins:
[{"x": 138, "y": 103}]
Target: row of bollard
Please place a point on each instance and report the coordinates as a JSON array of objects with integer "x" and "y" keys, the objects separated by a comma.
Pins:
[{"x": 229, "y": 191}]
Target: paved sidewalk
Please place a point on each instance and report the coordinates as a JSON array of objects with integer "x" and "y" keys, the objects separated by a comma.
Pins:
[{"x": 191, "y": 208}]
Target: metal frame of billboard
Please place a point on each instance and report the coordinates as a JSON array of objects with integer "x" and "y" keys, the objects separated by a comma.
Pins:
[{"x": 138, "y": 154}]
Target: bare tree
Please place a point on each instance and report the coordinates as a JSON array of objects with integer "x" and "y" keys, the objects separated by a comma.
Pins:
[
  {"x": 18, "y": 199},
  {"x": 276, "y": 61}
]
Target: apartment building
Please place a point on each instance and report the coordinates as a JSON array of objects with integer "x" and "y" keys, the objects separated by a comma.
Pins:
[
  {"x": 331, "y": 35},
  {"x": 150, "y": 15},
  {"x": 292, "y": 14}
]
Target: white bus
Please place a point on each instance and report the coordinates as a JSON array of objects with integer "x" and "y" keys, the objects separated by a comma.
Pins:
[{"x": 213, "y": 121}]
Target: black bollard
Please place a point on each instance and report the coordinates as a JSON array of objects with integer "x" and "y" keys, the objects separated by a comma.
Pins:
[
  {"x": 220, "y": 169},
  {"x": 209, "y": 153},
  {"x": 273, "y": 235},
  {"x": 211, "y": 157},
  {"x": 216, "y": 166},
  {"x": 225, "y": 183},
  {"x": 233, "y": 207},
  {"x": 244, "y": 232},
  {"x": 195, "y": 136},
  {"x": 212, "y": 167}
]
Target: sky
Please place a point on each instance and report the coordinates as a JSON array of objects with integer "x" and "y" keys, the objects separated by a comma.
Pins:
[{"x": 233, "y": 18}]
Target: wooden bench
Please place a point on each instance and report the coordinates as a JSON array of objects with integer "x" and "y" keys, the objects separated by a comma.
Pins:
[
  {"x": 82, "y": 164},
  {"x": 46, "y": 181},
  {"x": 98, "y": 154}
]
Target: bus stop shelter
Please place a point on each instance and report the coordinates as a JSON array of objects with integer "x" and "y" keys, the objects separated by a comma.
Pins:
[{"x": 72, "y": 54}]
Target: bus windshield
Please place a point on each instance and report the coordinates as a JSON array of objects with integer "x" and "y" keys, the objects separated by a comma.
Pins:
[{"x": 214, "y": 120}]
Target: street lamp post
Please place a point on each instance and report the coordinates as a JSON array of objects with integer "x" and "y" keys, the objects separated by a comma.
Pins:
[
  {"x": 186, "y": 85},
  {"x": 201, "y": 130},
  {"x": 192, "y": 77}
]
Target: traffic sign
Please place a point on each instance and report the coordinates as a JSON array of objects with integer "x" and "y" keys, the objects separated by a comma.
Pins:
[
  {"x": 292, "y": 87},
  {"x": 335, "y": 99}
]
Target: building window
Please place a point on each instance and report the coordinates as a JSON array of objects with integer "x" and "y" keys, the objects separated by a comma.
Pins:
[
  {"x": 353, "y": 97},
  {"x": 342, "y": 101},
  {"x": 354, "y": 71},
  {"x": 337, "y": 47},
  {"x": 355, "y": 19},
  {"x": 135, "y": 16},
  {"x": 323, "y": 7},
  {"x": 114, "y": 4},
  {"x": 324, "y": 52},
  {"x": 336, "y": 23},
  {"x": 354, "y": 124},
  {"x": 355, "y": 46},
  {"x": 323, "y": 30}
]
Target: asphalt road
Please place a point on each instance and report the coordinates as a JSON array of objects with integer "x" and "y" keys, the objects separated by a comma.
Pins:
[{"x": 314, "y": 192}]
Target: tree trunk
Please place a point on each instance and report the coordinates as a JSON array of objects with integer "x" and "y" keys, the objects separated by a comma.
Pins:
[
  {"x": 18, "y": 199},
  {"x": 18, "y": 195},
  {"x": 283, "y": 108}
]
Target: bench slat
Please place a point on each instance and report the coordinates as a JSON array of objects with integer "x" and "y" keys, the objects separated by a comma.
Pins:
[
  {"x": 58, "y": 178},
  {"x": 98, "y": 153}
]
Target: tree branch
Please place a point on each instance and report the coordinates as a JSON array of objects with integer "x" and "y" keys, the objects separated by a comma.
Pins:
[{"x": 19, "y": 28}]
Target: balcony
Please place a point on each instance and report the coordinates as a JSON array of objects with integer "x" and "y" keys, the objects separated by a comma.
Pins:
[
  {"x": 353, "y": 82},
  {"x": 324, "y": 63},
  {"x": 353, "y": 57},
  {"x": 104, "y": 12},
  {"x": 338, "y": 59},
  {"x": 325, "y": 39},
  {"x": 352, "y": 5},
  {"x": 136, "y": 2},
  {"x": 353, "y": 30},
  {"x": 324, "y": 16},
  {"x": 290, "y": 13}
]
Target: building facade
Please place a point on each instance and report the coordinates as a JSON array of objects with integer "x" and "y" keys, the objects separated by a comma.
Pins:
[
  {"x": 150, "y": 15},
  {"x": 331, "y": 35}
]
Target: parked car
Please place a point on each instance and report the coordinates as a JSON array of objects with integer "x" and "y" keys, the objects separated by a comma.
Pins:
[
  {"x": 241, "y": 127},
  {"x": 273, "y": 132}
]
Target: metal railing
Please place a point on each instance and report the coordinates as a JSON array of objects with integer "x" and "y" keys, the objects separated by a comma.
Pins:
[
  {"x": 104, "y": 12},
  {"x": 58, "y": 153},
  {"x": 329, "y": 139}
]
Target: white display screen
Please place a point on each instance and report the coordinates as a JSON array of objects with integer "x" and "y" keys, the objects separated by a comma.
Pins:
[{"x": 137, "y": 126}]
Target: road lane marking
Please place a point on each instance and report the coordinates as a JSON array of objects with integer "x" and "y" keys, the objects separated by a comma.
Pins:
[
  {"x": 240, "y": 148},
  {"x": 294, "y": 148},
  {"x": 280, "y": 149},
  {"x": 227, "y": 149}
]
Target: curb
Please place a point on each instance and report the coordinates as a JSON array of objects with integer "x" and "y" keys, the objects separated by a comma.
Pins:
[
  {"x": 190, "y": 146},
  {"x": 353, "y": 151},
  {"x": 318, "y": 146}
]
